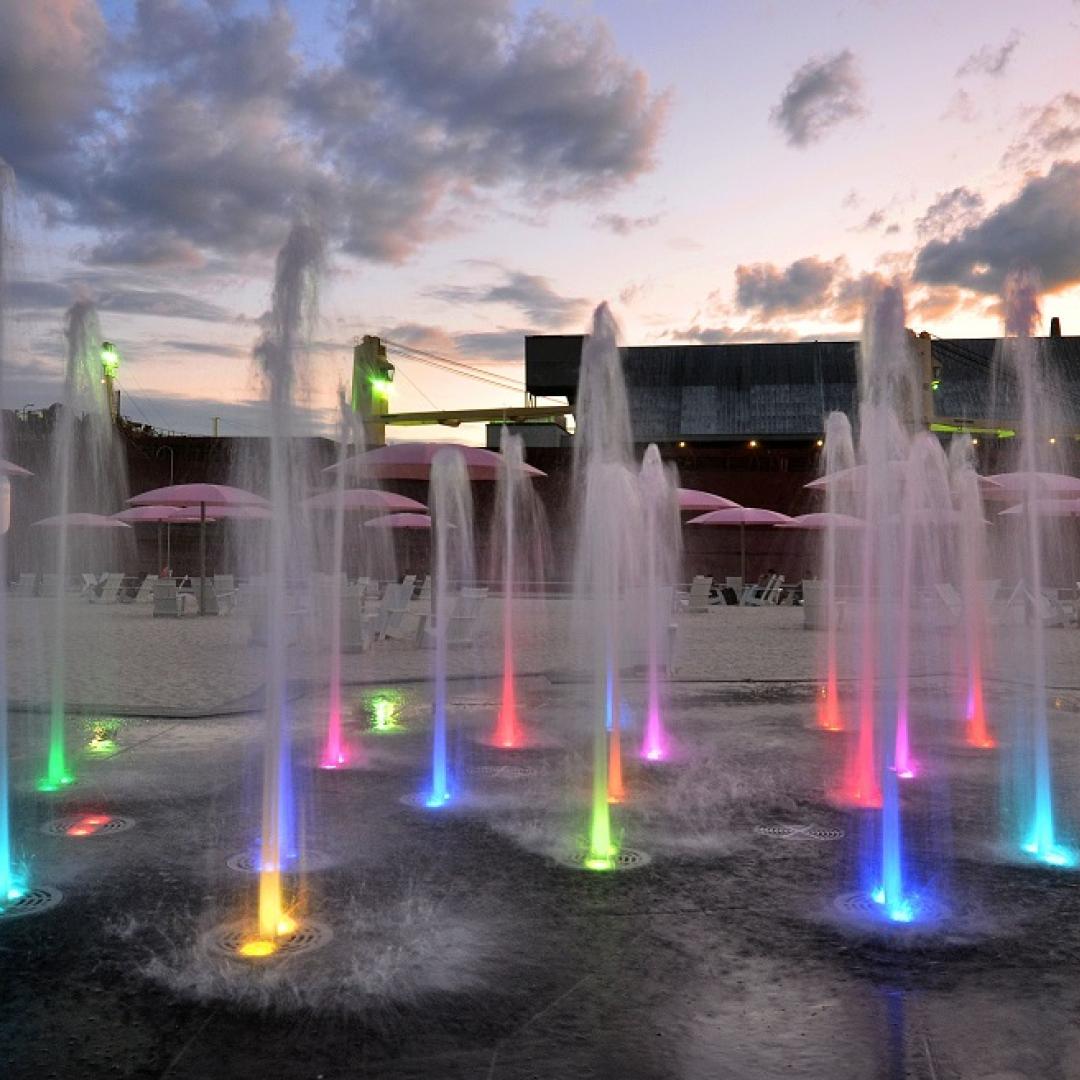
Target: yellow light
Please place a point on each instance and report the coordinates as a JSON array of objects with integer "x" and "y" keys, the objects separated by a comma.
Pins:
[
  {"x": 974, "y": 442},
  {"x": 1052, "y": 440},
  {"x": 682, "y": 446},
  {"x": 258, "y": 947},
  {"x": 285, "y": 926},
  {"x": 820, "y": 443},
  {"x": 752, "y": 444}
]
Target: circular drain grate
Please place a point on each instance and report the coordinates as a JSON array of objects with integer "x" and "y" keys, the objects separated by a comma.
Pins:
[
  {"x": 814, "y": 833},
  {"x": 503, "y": 772},
  {"x": 631, "y": 859},
  {"x": 861, "y": 908},
  {"x": 32, "y": 902},
  {"x": 247, "y": 862},
  {"x": 776, "y": 830},
  {"x": 82, "y": 826},
  {"x": 228, "y": 940},
  {"x": 802, "y": 832},
  {"x": 627, "y": 859}
]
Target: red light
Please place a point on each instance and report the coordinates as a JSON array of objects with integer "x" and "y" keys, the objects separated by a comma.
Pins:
[{"x": 87, "y": 825}]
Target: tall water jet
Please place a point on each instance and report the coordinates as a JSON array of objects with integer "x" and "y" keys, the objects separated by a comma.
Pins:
[
  {"x": 11, "y": 886},
  {"x": 519, "y": 543},
  {"x": 88, "y": 473},
  {"x": 1021, "y": 361},
  {"x": 839, "y": 457},
  {"x": 335, "y": 753},
  {"x": 663, "y": 559},
  {"x": 607, "y": 561},
  {"x": 452, "y": 513},
  {"x": 293, "y": 311},
  {"x": 971, "y": 566}
]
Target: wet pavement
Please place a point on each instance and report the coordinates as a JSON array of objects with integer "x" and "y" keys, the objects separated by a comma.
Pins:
[{"x": 463, "y": 948}]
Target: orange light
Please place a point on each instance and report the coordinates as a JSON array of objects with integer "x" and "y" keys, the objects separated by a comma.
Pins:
[
  {"x": 257, "y": 947},
  {"x": 682, "y": 446},
  {"x": 752, "y": 444},
  {"x": 820, "y": 443}
]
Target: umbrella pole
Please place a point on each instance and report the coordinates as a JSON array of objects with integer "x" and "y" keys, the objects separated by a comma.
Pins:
[
  {"x": 202, "y": 558},
  {"x": 160, "y": 564},
  {"x": 742, "y": 553}
]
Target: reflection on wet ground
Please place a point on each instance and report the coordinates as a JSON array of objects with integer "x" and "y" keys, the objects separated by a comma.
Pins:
[{"x": 464, "y": 946}]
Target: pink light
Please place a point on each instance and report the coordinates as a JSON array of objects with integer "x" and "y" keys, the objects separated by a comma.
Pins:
[
  {"x": 508, "y": 734},
  {"x": 335, "y": 754}
]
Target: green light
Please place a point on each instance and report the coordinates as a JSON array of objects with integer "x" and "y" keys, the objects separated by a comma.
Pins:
[
  {"x": 110, "y": 359},
  {"x": 385, "y": 712},
  {"x": 380, "y": 387},
  {"x": 935, "y": 384}
]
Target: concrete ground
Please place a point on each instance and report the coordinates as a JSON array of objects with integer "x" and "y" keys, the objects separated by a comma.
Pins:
[{"x": 464, "y": 947}]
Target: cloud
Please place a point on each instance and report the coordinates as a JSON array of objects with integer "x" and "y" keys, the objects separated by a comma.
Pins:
[
  {"x": 990, "y": 60},
  {"x": 1040, "y": 227},
  {"x": 728, "y": 335},
  {"x": 531, "y": 294},
  {"x": 216, "y": 131},
  {"x": 950, "y": 213},
  {"x": 209, "y": 348},
  {"x": 622, "y": 225},
  {"x": 961, "y": 107},
  {"x": 53, "y": 56},
  {"x": 42, "y": 296},
  {"x": 823, "y": 94},
  {"x": 769, "y": 290},
  {"x": 1051, "y": 131},
  {"x": 503, "y": 344}
]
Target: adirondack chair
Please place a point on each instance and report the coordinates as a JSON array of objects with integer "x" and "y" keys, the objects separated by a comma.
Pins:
[
  {"x": 225, "y": 592},
  {"x": 166, "y": 599},
  {"x": 109, "y": 591},
  {"x": 696, "y": 601},
  {"x": 145, "y": 595},
  {"x": 754, "y": 595},
  {"x": 463, "y": 619},
  {"x": 394, "y": 607}
]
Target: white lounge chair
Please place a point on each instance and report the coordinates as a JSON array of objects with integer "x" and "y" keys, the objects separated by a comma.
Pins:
[
  {"x": 166, "y": 599},
  {"x": 145, "y": 593},
  {"x": 754, "y": 595},
  {"x": 394, "y": 607},
  {"x": 815, "y": 617},
  {"x": 696, "y": 601},
  {"x": 463, "y": 619},
  {"x": 109, "y": 591},
  {"x": 225, "y": 592}
]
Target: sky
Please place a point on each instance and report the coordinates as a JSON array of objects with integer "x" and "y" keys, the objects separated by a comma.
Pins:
[{"x": 484, "y": 169}]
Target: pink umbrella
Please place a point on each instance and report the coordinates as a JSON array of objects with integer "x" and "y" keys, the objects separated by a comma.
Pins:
[
  {"x": 412, "y": 461},
  {"x": 155, "y": 515},
  {"x": 692, "y": 499},
  {"x": 741, "y": 516},
  {"x": 1047, "y": 508},
  {"x": 823, "y": 521},
  {"x": 400, "y": 521},
  {"x": 82, "y": 520},
  {"x": 1018, "y": 485},
  {"x": 364, "y": 499},
  {"x": 202, "y": 496}
]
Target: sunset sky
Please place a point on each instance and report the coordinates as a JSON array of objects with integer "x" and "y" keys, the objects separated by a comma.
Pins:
[{"x": 486, "y": 169}]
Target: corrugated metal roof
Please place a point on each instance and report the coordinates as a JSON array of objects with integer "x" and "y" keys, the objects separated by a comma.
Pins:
[{"x": 785, "y": 390}]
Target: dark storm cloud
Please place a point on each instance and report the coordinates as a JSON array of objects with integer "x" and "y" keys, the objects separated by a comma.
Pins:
[
  {"x": 1040, "y": 227},
  {"x": 821, "y": 95},
  {"x": 531, "y": 294},
  {"x": 991, "y": 60},
  {"x": 805, "y": 285},
  {"x": 217, "y": 132}
]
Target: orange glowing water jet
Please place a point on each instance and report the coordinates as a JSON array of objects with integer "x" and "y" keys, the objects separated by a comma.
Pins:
[{"x": 616, "y": 789}]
